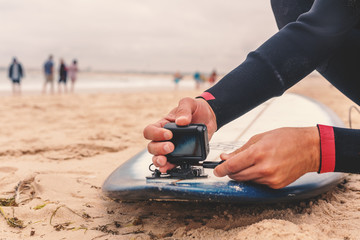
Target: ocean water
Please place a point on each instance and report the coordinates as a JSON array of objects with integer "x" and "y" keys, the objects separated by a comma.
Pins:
[{"x": 102, "y": 82}]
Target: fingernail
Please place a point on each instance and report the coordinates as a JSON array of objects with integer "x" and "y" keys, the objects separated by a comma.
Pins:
[
  {"x": 181, "y": 118},
  {"x": 167, "y": 148},
  {"x": 159, "y": 162},
  {"x": 167, "y": 135},
  {"x": 215, "y": 173}
]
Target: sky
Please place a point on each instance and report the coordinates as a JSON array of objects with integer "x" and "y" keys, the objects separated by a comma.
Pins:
[{"x": 134, "y": 35}]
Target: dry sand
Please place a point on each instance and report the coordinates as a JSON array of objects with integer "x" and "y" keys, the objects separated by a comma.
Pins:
[{"x": 58, "y": 150}]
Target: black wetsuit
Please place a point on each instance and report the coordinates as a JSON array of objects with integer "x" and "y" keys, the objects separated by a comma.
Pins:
[
  {"x": 62, "y": 74},
  {"x": 322, "y": 35}
]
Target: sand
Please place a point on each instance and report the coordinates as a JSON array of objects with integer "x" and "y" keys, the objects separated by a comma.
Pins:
[{"x": 57, "y": 151}]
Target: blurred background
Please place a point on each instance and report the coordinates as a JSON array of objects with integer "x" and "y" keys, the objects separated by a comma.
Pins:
[{"x": 130, "y": 44}]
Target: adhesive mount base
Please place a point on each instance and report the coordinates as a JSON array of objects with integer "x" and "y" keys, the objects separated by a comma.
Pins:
[{"x": 182, "y": 172}]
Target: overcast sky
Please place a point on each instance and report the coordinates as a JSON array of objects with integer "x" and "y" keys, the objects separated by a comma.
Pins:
[{"x": 140, "y": 35}]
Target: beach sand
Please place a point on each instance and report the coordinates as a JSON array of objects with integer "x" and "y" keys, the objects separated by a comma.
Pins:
[{"x": 57, "y": 151}]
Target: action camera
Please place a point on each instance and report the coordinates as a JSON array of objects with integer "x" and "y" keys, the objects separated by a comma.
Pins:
[{"x": 191, "y": 144}]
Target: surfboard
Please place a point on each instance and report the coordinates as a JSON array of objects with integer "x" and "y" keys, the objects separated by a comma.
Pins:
[{"x": 128, "y": 182}]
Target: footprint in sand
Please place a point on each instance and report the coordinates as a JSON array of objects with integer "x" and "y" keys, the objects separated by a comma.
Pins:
[{"x": 8, "y": 169}]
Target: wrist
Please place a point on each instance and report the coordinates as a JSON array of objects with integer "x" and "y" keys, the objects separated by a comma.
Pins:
[
  {"x": 314, "y": 145},
  {"x": 211, "y": 120}
]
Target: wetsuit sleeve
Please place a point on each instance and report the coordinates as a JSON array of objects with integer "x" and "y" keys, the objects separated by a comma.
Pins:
[
  {"x": 339, "y": 149},
  {"x": 283, "y": 60}
]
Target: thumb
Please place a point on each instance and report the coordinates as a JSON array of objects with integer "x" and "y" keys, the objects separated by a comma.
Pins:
[
  {"x": 186, "y": 108},
  {"x": 225, "y": 156}
]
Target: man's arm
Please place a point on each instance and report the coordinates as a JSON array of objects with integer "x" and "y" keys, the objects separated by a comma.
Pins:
[
  {"x": 291, "y": 54},
  {"x": 272, "y": 158}
]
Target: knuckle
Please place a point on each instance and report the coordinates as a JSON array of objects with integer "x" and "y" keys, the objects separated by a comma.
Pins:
[
  {"x": 155, "y": 148},
  {"x": 256, "y": 153},
  {"x": 266, "y": 171},
  {"x": 252, "y": 152},
  {"x": 155, "y": 161},
  {"x": 254, "y": 137},
  {"x": 150, "y": 147},
  {"x": 275, "y": 183},
  {"x": 185, "y": 100},
  {"x": 146, "y": 131},
  {"x": 275, "y": 186},
  {"x": 231, "y": 166}
]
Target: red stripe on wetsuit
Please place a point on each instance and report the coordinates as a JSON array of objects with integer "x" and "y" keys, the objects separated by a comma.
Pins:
[
  {"x": 207, "y": 96},
  {"x": 327, "y": 144}
]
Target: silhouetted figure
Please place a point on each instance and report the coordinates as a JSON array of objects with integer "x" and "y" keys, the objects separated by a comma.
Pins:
[
  {"x": 62, "y": 76},
  {"x": 16, "y": 72},
  {"x": 49, "y": 74},
  {"x": 72, "y": 71}
]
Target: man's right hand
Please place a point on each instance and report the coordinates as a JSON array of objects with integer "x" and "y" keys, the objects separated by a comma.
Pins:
[{"x": 188, "y": 111}]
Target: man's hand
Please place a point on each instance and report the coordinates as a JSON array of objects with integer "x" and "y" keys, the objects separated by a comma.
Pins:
[
  {"x": 275, "y": 158},
  {"x": 188, "y": 111}
]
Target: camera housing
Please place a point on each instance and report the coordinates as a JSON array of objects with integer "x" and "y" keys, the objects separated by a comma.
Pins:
[{"x": 191, "y": 144}]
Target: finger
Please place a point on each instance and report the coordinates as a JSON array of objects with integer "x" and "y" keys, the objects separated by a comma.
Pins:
[
  {"x": 159, "y": 161},
  {"x": 184, "y": 111},
  {"x": 254, "y": 139},
  {"x": 162, "y": 164},
  {"x": 249, "y": 174},
  {"x": 167, "y": 167},
  {"x": 234, "y": 164},
  {"x": 157, "y": 132},
  {"x": 225, "y": 156},
  {"x": 160, "y": 148}
]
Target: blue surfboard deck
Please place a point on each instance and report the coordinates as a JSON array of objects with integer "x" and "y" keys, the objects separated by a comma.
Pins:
[{"x": 128, "y": 182}]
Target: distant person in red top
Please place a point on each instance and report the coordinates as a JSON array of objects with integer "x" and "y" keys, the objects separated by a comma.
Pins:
[
  {"x": 212, "y": 78},
  {"x": 72, "y": 71},
  {"x": 62, "y": 76}
]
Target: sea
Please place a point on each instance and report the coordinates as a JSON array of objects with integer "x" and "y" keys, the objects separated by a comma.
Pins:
[{"x": 97, "y": 82}]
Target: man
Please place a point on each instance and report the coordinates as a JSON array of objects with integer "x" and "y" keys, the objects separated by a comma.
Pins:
[
  {"x": 15, "y": 74},
  {"x": 49, "y": 74},
  {"x": 320, "y": 35}
]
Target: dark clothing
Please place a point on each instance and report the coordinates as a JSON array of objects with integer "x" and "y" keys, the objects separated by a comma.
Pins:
[
  {"x": 20, "y": 73},
  {"x": 62, "y": 73},
  {"x": 320, "y": 35}
]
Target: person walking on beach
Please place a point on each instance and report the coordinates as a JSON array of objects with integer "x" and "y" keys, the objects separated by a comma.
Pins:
[
  {"x": 177, "y": 78},
  {"x": 49, "y": 74},
  {"x": 62, "y": 76},
  {"x": 212, "y": 78},
  {"x": 72, "y": 71},
  {"x": 16, "y": 72},
  {"x": 322, "y": 35},
  {"x": 198, "y": 79}
]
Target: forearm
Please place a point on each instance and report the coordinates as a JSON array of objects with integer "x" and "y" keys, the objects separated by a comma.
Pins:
[{"x": 283, "y": 60}]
